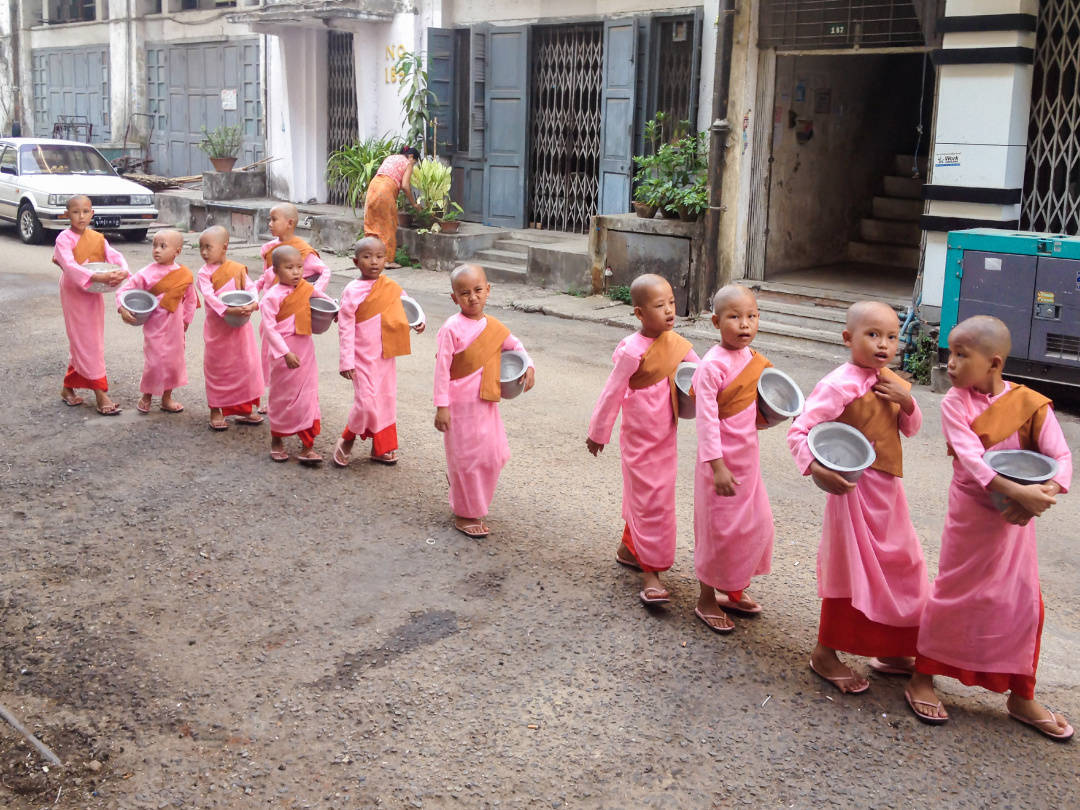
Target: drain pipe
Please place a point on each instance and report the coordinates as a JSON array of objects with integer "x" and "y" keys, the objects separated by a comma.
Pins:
[{"x": 713, "y": 275}]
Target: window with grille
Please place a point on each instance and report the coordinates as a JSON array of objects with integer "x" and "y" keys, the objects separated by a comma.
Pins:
[{"x": 821, "y": 24}]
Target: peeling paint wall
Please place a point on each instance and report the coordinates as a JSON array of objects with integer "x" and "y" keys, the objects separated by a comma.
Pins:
[{"x": 860, "y": 110}]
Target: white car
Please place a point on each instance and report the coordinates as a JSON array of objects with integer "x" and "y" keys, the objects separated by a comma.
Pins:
[{"x": 39, "y": 175}]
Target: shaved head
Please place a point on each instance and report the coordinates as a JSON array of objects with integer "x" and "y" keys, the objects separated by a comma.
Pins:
[
  {"x": 172, "y": 237},
  {"x": 641, "y": 286},
  {"x": 862, "y": 311},
  {"x": 216, "y": 234},
  {"x": 984, "y": 333},
  {"x": 287, "y": 210},
  {"x": 78, "y": 198},
  {"x": 283, "y": 254},
  {"x": 729, "y": 294},
  {"x": 368, "y": 243},
  {"x": 467, "y": 271}
]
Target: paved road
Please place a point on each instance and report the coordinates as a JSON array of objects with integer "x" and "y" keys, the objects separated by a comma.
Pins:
[{"x": 191, "y": 625}]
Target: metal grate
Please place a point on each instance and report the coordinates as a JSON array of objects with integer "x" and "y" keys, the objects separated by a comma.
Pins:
[
  {"x": 104, "y": 200},
  {"x": 819, "y": 24},
  {"x": 564, "y": 165},
  {"x": 1063, "y": 347},
  {"x": 1052, "y": 175},
  {"x": 676, "y": 66},
  {"x": 343, "y": 128}
]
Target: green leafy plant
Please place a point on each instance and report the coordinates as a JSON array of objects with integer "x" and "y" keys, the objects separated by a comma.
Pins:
[
  {"x": 416, "y": 98},
  {"x": 355, "y": 165},
  {"x": 454, "y": 211},
  {"x": 402, "y": 257},
  {"x": 620, "y": 292},
  {"x": 921, "y": 356},
  {"x": 672, "y": 173},
  {"x": 431, "y": 186},
  {"x": 222, "y": 142}
]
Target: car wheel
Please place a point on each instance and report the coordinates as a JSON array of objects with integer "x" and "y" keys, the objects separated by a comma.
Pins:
[
  {"x": 30, "y": 230},
  {"x": 136, "y": 235}
]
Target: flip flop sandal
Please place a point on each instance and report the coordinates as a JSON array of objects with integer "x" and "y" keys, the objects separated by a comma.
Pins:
[
  {"x": 313, "y": 461},
  {"x": 177, "y": 409},
  {"x": 279, "y": 456},
  {"x": 476, "y": 535},
  {"x": 143, "y": 409},
  {"x": 249, "y": 420},
  {"x": 654, "y": 596},
  {"x": 340, "y": 457},
  {"x": 1044, "y": 726},
  {"x": 721, "y": 629},
  {"x": 837, "y": 680},
  {"x": 628, "y": 563},
  {"x": 115, "y": 410},
  {"x": 878, "y": 665},
  {"x": 724, "y": 602},
  {"x": 384, "y": 460},
  {"x": 929, "y": 719},
  {"x": 74, "y": 402},
  {"x": 222, "y": 426}
]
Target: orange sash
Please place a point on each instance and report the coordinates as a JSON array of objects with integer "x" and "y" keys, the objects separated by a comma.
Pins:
[
  {"x": 741, "y": 393},
  {"x": 293, "y": 241},
  {"x": 90, "y": 247},
  {"x": 877, "y": 419},
  {"x": 298, "y": 304},
  {"x": 229, "y": 271},
  {"x": 484, "y": 353},
  {"x": 385, "y": 299},
  {"x": 172, "y": 288},
  {"x": 662, "y": 360},
  {"x": 1020, "y": 410}
]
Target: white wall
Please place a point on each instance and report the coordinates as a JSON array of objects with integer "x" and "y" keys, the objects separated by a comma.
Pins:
[
  {"x": 7, "y": 72},
  {"x": 375, "y": 49}
]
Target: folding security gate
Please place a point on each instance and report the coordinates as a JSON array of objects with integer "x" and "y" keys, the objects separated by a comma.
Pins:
[
  {"x": 343, "y": 128},
  {"x": 1052, "y": 175}
]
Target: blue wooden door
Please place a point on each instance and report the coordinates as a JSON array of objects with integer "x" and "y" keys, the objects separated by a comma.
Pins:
[
  {"x": 507, "y": 106},
  {"x": 617, "y": 116},
  {"x": 440, "y": 66}
]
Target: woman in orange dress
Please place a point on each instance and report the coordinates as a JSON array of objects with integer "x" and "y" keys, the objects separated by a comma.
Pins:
[{"x": 380, "y": 204}]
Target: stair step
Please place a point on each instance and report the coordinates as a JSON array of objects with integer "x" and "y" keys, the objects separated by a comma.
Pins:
[
  {"x": 513, "y": 246},
  {"x": 902, "y": 165},
  {"x": 830, "y": 337},
  {"x": 895, "y": 208},
  {"x": 777, "y": 310},
  {"x": 504, "y": 256},
  {"x": 907, "y": 187},
  {"x": 500, "y": 271},
  {"x": 819, "y": 296},
  {"x": 884, "y": 253},
  {"x": 897, "y": 232}
]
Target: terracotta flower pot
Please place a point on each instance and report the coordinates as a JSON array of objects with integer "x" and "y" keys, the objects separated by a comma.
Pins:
[
  {"x": 686, "y": 215},
  {"x": 223, "y": 164},
  {"x": 644, "y": 210},
  {"x": 669, "y": 213},
  {"x": 450, "y": 226},
  {"x": 404, "y": 219}
]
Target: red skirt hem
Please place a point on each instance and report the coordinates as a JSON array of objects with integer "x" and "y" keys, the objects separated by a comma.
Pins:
[
  {"x": 243, "y": 409},
  {"x": 845, "y": 628},
  {"x": 73, "y": 379},
  {"x": 306, "y": 436},
  {"x": 382, "y": 442},
  {"x": 628, "y": 541}
]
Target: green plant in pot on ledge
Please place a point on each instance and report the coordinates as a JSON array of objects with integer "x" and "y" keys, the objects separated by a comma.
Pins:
[
  {"x": 435, "y": 210},
  {"x": 672, "y": 177},
  {"x": 222, "y": 145}
]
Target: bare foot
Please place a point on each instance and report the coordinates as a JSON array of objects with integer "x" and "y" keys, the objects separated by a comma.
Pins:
[
  {"x": 104, "y": 401},
  {"x": 309, "y": 456},
  {"x": 143, "y": 405},
  {"x": 168, "y": 404},
  {"x": 825, "y": 663},
  {"x": 70, "y": 397},
  {"x": 624, "y": 557},
  {"x": 894, "y": 664},
  {"x": 745, "y": 605},
  {"x": 472, "y": 527},
  {"x": 710, "y": 612},
  {"x": 922, "y": 698},
  {"x": 217, "y": 420},
  {"x": 1037, "y": 715}
]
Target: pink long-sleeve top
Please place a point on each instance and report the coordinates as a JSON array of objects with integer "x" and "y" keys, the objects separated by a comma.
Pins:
[
  {"x": 454, "y": 336},
  {"x": 77, "y": 273},
  {"x": 274, "y": 331}
]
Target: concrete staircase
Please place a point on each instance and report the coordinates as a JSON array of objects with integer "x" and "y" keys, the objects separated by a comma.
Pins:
[
  {"x": 508, "y": 259},
  {"x": 892, "y": 235}
]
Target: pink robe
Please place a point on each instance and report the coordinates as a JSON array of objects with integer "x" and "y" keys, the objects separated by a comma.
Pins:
[
  {"x": 293, "y": 405},
  {"x": 231, "y": 365},
  {"x": 84, "y": 312},
  {"x": 476, "y": 446},
  {"x": 164, "y": 366},
  {"x": 984, "y": 607},
  {"x": 733, "y": 536},
  {"x": 374, "y": 378},
  {"x": 649, "y": 450},
  {"x": 869, "y": 552}
]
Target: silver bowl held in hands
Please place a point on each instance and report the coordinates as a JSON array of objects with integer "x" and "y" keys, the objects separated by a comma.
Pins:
[
  {"x": 684, "y": 378},
  {"x": 101, "y": 267},
  {"x": 413, "y": 311},
  {"x": 512, "y": 367},
  {"x": 323, "y": 312},
  {"x": 139, "y": 303},
  {"x": 238, "y": 298},
  {"x": 841, "y": 448},
  {"x": 1021, "y": 466},
  {"x": 778, "y": 397}
]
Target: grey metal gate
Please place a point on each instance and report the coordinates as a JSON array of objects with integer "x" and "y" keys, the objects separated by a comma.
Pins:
[
  {"x": 342, "y": 129},
  {"x": 566, "y": 102},
  {"x": 198, "y": 85},
  {"x": 1052, "y": 176},
  {"x": 71, "y": 81},
  {"x": 817, "y": 24}
]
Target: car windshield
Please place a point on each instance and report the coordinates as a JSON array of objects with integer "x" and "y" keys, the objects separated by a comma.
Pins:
[{"x": 49, "y": 158}]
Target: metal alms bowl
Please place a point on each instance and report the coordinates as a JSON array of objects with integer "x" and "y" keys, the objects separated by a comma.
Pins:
[
  {"x": 1021, "y": 466},
  {"x": 684, "y": 377},
  {"x": 512, "y": 367},
  {"x": 139, "y": 303},
  {"x": 101, "y": 267},
  {"x": 413, "y": 311},
  {"x": 238, "y": 298},
  {"x": 841, "y": 448},
  {"x": 323, "y": 312},
  {"x": 778, "y": 397}
]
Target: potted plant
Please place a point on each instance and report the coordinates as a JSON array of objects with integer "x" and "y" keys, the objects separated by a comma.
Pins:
[
  {"x": 415, "y": 96},
  {"x": 431, "y": 183},
  {"x": 222, "y": 145},
  {"x": 672, "y": 177},
  {"x": 449, "y": 222},
  {"x": 648, "y": 185},
  {"x": 355, "y": 165},
  {"x": 404, "y": 215}
]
